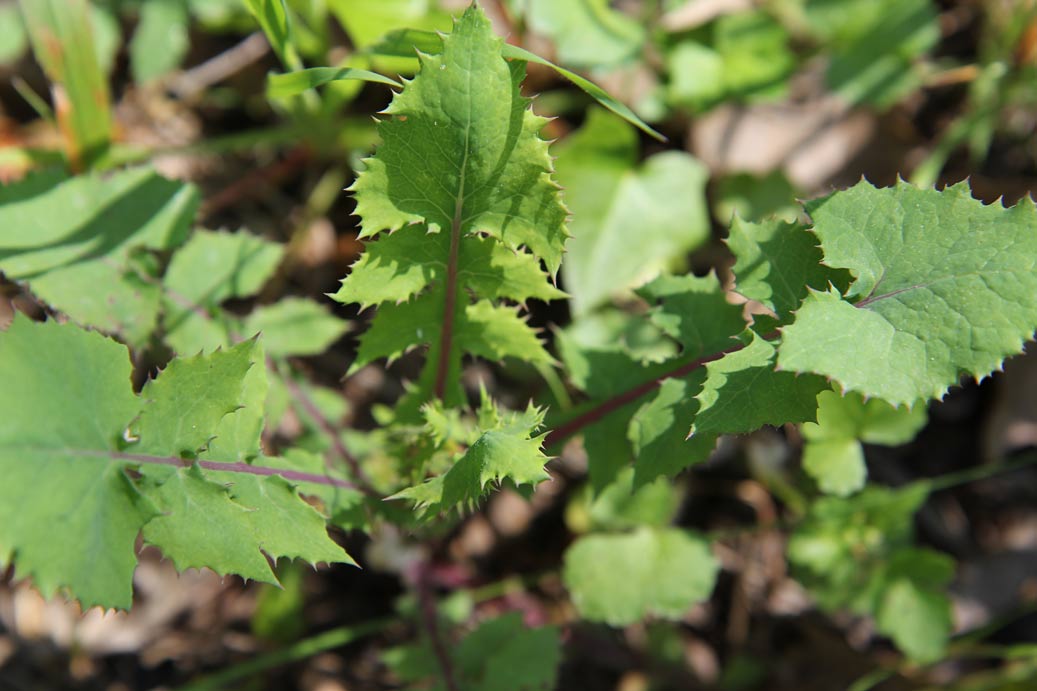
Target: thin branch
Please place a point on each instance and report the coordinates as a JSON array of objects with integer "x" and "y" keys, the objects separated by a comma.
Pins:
[
  {"x": 595, "y": 414},
  {"x": 201, "y": 77},
  {"x": 311, "y": 409},
  {"x": 246, "y": 468},
  {"x": 430, "y": 621}
]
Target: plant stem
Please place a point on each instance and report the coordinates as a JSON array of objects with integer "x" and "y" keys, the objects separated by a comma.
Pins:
[
  {"x": 589, "y": 417},
  {"x": 430, "y": 620},
  {"x": 446, "y": 337},
  {"x": 311, "y": 409},
  {"x": 246, "y": 468}
]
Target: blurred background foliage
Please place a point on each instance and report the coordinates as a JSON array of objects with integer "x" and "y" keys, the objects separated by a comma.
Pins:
[{"x": 761, "y": 102}]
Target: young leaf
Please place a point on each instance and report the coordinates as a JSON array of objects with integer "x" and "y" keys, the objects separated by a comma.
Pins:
[
  {"x": 833, "y": 454},
  {"x": 943, "y": 285},
  {"x": 659, "y": 205},
  {"x": 505, "y": 447},
  {"x": 620, "y": 579},
  {"x": 471, "y": 173}
]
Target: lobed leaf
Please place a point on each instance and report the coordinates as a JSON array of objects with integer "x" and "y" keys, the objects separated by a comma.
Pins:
[
  {"x": 69, "y": 510},
  {"x": 943, "y": 285}
]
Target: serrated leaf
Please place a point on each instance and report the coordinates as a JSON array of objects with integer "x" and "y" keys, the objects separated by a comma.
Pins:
[
  {"x": 74, "y": 241},
  {"x": 743, "y": 392},
  {"x": 658, "y": 431},
  {"x": 472, "y": 174},
  {"x": 474, "y": 160},
  {"x": 401, "y": 265},
  {"x": 190, "y": 398},
  {"x": 294, "y": 326},
  {"x": 943, "y": 285},
  {"x": 620, "y": 579},
  {"x": 695, "y": 312},
  {"x": 65, "y": 402},
  {"x": 505, "y": 448},
  {"x": 659, "y": 204},
  {"x": 833, "y": 455},
  {"x": 237, "y": 435},
  {"x": 66, "y": 406},
  {"x": 776, "y": 262}
]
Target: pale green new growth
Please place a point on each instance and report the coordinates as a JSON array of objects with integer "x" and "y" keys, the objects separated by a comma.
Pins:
[
  {"x": 503, "y": 446},
  {"x": 620, "y": 579},
  {"x": 943, "y": 286}
]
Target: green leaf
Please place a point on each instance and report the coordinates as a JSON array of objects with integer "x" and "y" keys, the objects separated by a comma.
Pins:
[
  {"x": 755, "y": 198},
  {"x": 745, "y": 56},
  {"x": 238, "y": 434},
  {"x": 210, "y": 268},
  {"x": 743, "y": 392},
  {"x": 367, "y": 22},
  {"x": 842, "y": 548},
  {"x": 472, "y": 175},
  {"x": 622, "y": 506},
  {"x": 78, "y": 243},
  {"x": 503, "y": 655},
  {"x": 190, "y": 398},
  {"x": 620, "y": 579},
  {"x": 659, "y": 205},
  {"x": 943, "y": 286},
  {"x": 295, "y": 83},
  {"x": 694, "y": 311},
  {"x": 294, "y": 326},
  {"x": 587, "y": 33},
  {"x": 473, "y": 161},
  {"x": 658, "y": 431},
  {"x": 913, "y": 610},
  {"x": 404, "y": 43},
  {"x": 401, "y": 265},
  {"x": 65, "y": 402},
  {"x": 64, "y": 449},
  {"x": 161, "y": 39},
  {"x": 776, "y": 263},
  {"x": 505, "y": 448},
  {"x": 833, "y": 455}
]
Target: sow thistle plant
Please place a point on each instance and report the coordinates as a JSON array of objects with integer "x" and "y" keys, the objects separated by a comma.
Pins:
[{"x": 879, "y": 304}]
